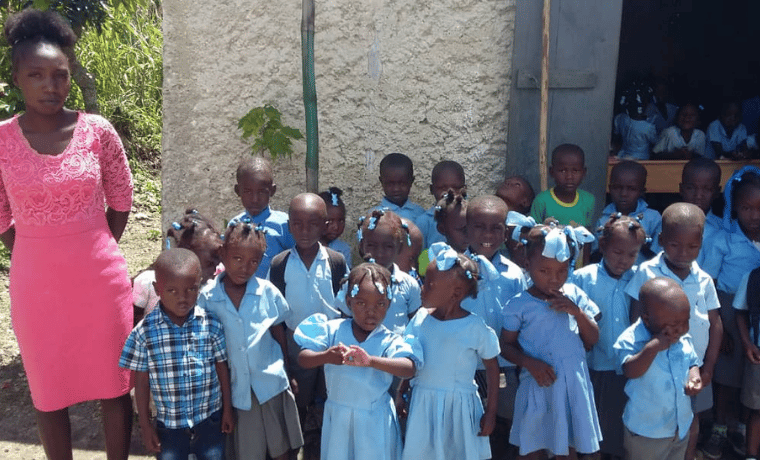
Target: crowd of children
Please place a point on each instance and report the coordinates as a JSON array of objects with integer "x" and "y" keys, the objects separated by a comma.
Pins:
[{"x": 458, "y": 318}]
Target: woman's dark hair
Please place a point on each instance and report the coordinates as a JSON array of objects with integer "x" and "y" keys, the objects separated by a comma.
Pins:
[{"x": 32, "y": 26}]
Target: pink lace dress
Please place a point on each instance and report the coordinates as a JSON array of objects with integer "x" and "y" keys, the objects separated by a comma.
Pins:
[{"x": 71, "y": 301}]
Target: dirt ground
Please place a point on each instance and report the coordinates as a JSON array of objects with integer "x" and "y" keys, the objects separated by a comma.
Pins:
[{"x": 18, "y": 431}]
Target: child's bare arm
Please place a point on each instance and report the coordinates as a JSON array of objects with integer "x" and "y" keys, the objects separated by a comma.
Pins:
[
  {"x": 511, "y": 351},
  {"x": 334, "y": 355},
  {"x": 638, "y": 364},
  {"x": 488, "y": 421},
  {"x": 637, "y": 308},
  {"x": 751, "y": 351},
  {"x": 400, "y": 367},
  {"x": 279, "y": 335},
  {"x": 713, "y": 346},
  {"x": 401, "y": 408},
  {"x": 694, "y": 384},
  {"x": 142, "y": 398},
  {"x": 228, "y": 418},
  {"x": 587, "y": 328}
]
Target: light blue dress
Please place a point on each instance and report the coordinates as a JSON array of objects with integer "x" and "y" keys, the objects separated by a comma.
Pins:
[
  {"x": 445, "y": 410},
  {"x": 562, "y": 415},
  {"x": 359, "y": 418}
]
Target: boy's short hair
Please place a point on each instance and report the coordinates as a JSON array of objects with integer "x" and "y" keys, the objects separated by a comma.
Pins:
[
  {"x": 665, "y": 291},
  {"x": 630, "y": 166},
  {"x": 486, "y": 202},
  {"x": 397, "y": 160},
  {"x": 564, "y": 149},
  {"x": 678, "y": 214},
  {"x": 445, "y": 165},
  {"x": 175, "y": 260},
  {"x": 699, "y": 164},
  {"x": 253, "y": 165}
]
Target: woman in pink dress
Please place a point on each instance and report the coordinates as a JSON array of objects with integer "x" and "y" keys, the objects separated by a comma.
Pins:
[{"x": 65, "y": 195}]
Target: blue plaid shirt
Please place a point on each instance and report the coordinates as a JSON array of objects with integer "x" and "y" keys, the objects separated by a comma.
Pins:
[{"x": 180, "y": 361}]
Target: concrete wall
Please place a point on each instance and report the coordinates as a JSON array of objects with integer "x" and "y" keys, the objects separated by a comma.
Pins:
[{"x": 428, "y": 79}]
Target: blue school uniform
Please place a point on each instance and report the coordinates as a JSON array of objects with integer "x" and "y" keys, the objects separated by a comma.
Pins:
[
  {"x": 651, "y": 221},
  {"x": 429, "y": 228},
  {"x": 609, "y": 295},
  {"x": 658, "y": 406},
  {"x": 699, "y": 289},
  {"x": 562, "y": 415},
  {"x": 359, "y": 416},
  {"x": 713, "y": 225},
  {"x": 445, "y": 410},
  {"x": 255, "y": 357},
  {"x": 344, "y": 249},
  {"x": 277, "y": 234},
  {"x": 406, "y": 300},
  {"x": 716, "y": 132},
  {"x": 408, "y": 210},
  {"x": 728, "y": 257}
]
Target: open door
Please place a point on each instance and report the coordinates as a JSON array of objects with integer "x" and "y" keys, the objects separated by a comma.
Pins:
[{"x": 582, "y": 68}]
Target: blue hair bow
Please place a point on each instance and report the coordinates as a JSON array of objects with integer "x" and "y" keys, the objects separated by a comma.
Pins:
[
  {"x": 487, "y": 270},
  {"x": 246, "y": 220},
  {"x": 176, "y": 226},
  {"x": 557, "y": 246},
  {"x": 444, "y": 255},
  {"x": 405, "y": 226},
  {"x": 519, "y": 221},
  {"x": 334, "y": 197}
]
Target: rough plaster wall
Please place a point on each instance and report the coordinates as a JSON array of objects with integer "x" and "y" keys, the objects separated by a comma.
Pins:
[{"x": 428, "y": 79}]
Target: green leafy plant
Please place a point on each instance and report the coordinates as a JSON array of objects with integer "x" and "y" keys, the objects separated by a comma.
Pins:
[{"x": 264, "y": 124}]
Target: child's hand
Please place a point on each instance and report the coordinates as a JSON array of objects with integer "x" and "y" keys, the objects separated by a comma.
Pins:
[
  {"x": 487, "y": 424},
  {"x": 694, "y": 384},
  {"x": 753, "y": 354},
  {"x": 559, "y": 302},
  {"x": 400, "y": 402},
  {"x": 335, "y": 354},
  {"x": 664, "y": 339},
  {"x": 150, "y": 438},
  {"x": 228, "y": 421},
  {"x": 727, "y": 344},
  {"x": 294, "y": 386},
  {"x": 705, "y": 376},
  {"x": 541, "y": 372},
  {"x": 356, "y": 356}
]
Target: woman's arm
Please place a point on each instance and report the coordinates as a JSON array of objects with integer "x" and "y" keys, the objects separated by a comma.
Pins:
[
  {"x": 117, "y": 222},
  {"x": 8, "y": 237}
]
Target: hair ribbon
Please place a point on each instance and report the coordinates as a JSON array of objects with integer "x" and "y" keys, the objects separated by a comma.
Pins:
[
  {"x": 486, "y": 268},
  {"x": 444, "y": 256},
  {"x": 176, "y": 226},
  {"x": 405, "y": 226},
  {"x": 557, "y": 246},
  {"x": 520, "y": 222},
  {"x": 334, "y": 197}
]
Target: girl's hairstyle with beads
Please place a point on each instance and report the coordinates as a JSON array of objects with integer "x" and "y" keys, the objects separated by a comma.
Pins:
[
  {"x": 370, "y": 222},
  {"x": 452, "y": 201},
  {"x": 30, "y": 27},
  {"x": 189, "y": 228},
  {"x": 468, "y": 271},
  {"x": 332, "y": 198},
  {"x": 242, "y": 231},
  {"x": 377, "y": 273},
  {"x": 617, "y": 222}
]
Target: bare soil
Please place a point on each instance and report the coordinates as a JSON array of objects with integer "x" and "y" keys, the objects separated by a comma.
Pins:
[{"x": 18, "y": 431}]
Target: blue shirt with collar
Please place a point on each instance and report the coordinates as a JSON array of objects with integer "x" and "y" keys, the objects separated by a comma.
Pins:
[
  {"x": 651, "y": 220},
  {"x": 729, "y": 256},
  {"x": 609, "y": 295},
  {"x": 181, "y": 364},
  {"x": 408, "y": 210},
  {"x": 255, "y": 357},
  {"x": 657, "y": 406},
  {"x": 429, "y": 228},
  {"x": 713, "y": 226},
  {"x": 277, "y": 234},
  {"x": 699, "y": 289}
]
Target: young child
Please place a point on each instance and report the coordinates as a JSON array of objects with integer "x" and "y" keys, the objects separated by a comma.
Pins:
[
  {"x": 397, "y": 177},
  {"x": 194, "y": 232},
  {"x": 604, "y": 283},
  {"x": 700, "y": 186},
  {"x": 451, "y": 222},
  {"x": 546, "y": 331},
  {"x": 360, "y": 357},
  {"x": 681, "y": 239},
  {"x": 446, "y": 418},
  {"x": 308, "y": 276},
  {"x": 631, "y": 129},
  {"x": 627, "y": 186},
  {"x": 408, "y": 258},
  {"x": 447, "y": 175},
  {"x": 252, "y": 311},
  {"x": 255, "y": 186},
  {"x": 565, "y": 202},
  {"x": 658, "y": 358},
  {"x": 336, "y": 223},
  {"x": 726, "y": 136},
  {"x": 178, "y": 354},
  {"x": 381, "y": 237},
  {"x": 748, "y": 325},
  {"x": 517, "y": 193},
  {"x": 731, "y": 253},
  {"x": 683, "y": 140}
]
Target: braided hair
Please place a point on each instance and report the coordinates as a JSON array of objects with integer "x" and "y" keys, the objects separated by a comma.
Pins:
[{"x": 452, "y": 201}]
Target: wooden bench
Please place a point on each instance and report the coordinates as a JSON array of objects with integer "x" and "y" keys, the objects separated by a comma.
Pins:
[{"x": 664, "y": 176}]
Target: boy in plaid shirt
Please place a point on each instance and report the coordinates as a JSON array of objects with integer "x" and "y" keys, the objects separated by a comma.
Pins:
[{"x": 179, "y": 356}]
